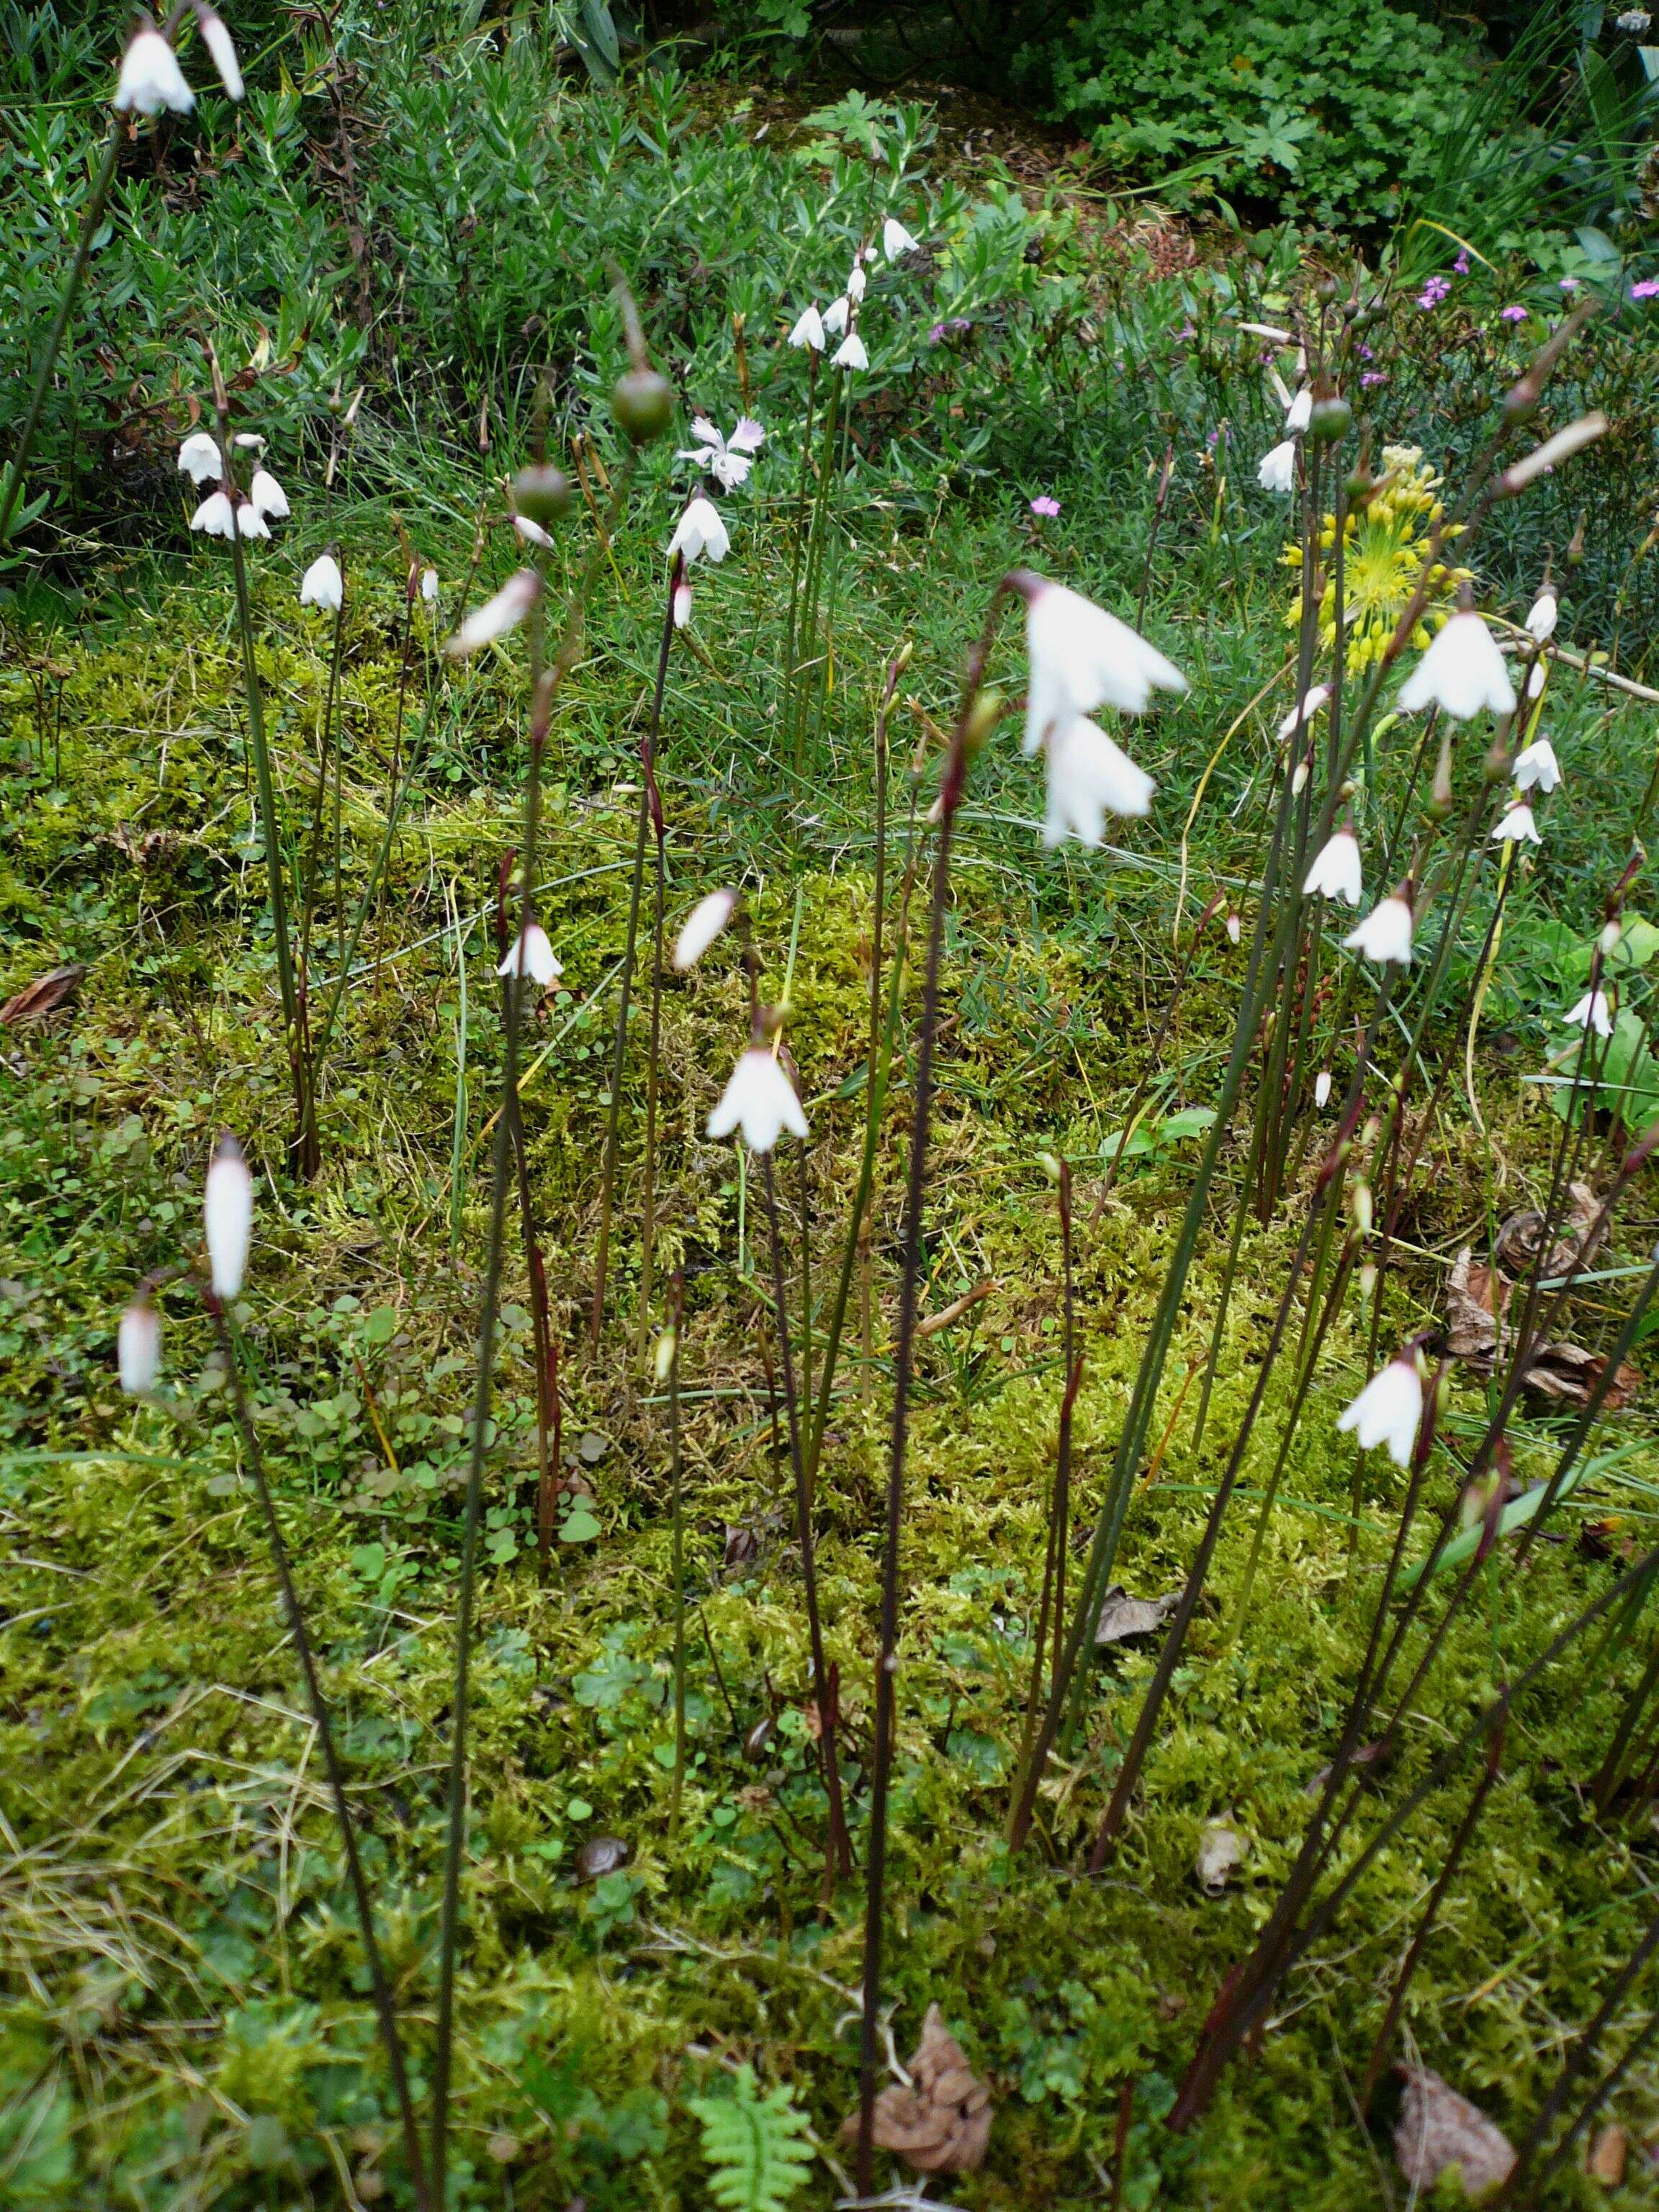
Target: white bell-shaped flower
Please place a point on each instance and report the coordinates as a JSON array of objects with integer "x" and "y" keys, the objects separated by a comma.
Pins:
[
  {"x": 151, "y": 78},
  {"x": 250, "y": 523},
  {"x": 215, "y": 517},
  {"x": 322, "y": 585},
  {"x": 1322, "y": 1088},
  {"x": 700, "y": 531},
  {"x": 1462, "y": 671},
  {"x": 1089, "y": 777},
  {"x": 808, "y": 330},
  {"x": 1593, "y": 1011},
  {"x": 1388, "y": 1411},
  {"x": 1517, "y": 826},
  {"x": 199, "y": 458},
  {"x": 1545, "y": 613},
  {"x": 1299, "y": 413},
  {"x": 1536, "y": 767},
  {"x": 138, "y": 1348},
  {"x": 896, "y": 240},
  {"x": 266, "y": 496},
  {"x": 1385, "y": 935},
  {"x": 850, "y": 353},
  {"x": 761, "y": 1101},
  {"x": 702, "y": 925},
  {"x": 222, "y": 47},
  {"x": 857, "y": 283},
  {"x": 1278, "y": 469},
  {"x": 429, "y": 587},
  {"x": 1336, "y": 873},
  {"x": 1082, "y": 658},
  {"x": 835, "y": 316},
  {"x": 228, "y": 1217},
  {"x": 496, "y": 616},
  {"x": 531, "y": 957},
  {"x": 1305, "y": 710}
]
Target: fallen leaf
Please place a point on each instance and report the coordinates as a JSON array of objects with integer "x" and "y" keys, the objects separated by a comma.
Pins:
[
  {"x": 1518, "y": 1240},
  {"x": 942, "y": 2123},
  {"x": 43, "y": 996},
  {"x": 1438, "y": 2129},
  {"x": 1607, "y": 2154},
  {"x": 741, "y": 1545},
  {"x": 1122, "y": 1615},
  {"x": 1475, "y": 1296},
  {"x": 1221, "y": 1852},
  {"x": 1568, "y": 1373}
]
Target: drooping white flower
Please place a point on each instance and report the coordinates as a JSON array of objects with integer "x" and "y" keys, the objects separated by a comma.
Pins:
[
  {"x": 532, "y": 956},
  {"x": 1323, "y": 1087},
  {"x": 1535, "y": 676},
  {"x": 856, "y": 282},
  {"x": 151, "y": 78},
  {"x": 322, "y": 584},
  {"x": 248, "y": 442},
  {"x": 138, "y": 1348},
  {"x": 1516, "y": 826},
  {"x": 896, "y": 240},
  {"x": 1235, "y": 929},
  {"x": 531, "y": 532},
  {"x": 728, "y": 461},
  {"x": 702, "y": 925},
  {"x": 250, "y": 522},
  {"x": 496, "y": 616},
  {"x": 1462, "y": 671},
  {"x": 228, "y": 1217},
  {"x": 215, "y": 517},
  {"x": 1278, "y": 469},
  {"x": 1305, "y": 710},
  {"x": 850, "y": 353},
  {"x": 218, "y": 41},
  {"x": 809, "y": 330},
  {"x": 266, "y": 496},
  {"x": 429, "y": 587},
  {"x": 700, "y": 530},
  {"x": 199, "y": 458},
  {"x": 835, "y": 316},
  {"x": 1299, "y": 413},
  {"x": 1545, "y": 613},
  {"x": 1089, "y": 777},
  {"x": 761, "y": 1101},
  {"x": 1389, "y": 1410},
  {"x": 1336, "y": 873},
  {"x": 1593, "y": 1011},
  {"x": 682, "y": 605},
  {"x": 1082, "y": 658},
  {"x": 1536, "y": 766},
  {"x": 1385, "y": 935}
]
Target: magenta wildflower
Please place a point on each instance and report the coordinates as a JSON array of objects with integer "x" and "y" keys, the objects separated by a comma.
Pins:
[
  {"x": 1513, "y": 314},
  {"x": 1434, "y": 292},
  {"x": 1646, "y": 288},
  {"x": 1461, "y": 266},
  {"x": 1044, "y": 504}
]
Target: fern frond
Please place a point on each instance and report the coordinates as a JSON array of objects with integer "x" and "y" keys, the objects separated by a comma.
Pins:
[{"x": 753, "y": 2144}]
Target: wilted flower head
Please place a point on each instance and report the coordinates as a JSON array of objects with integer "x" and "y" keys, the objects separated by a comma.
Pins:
[
  {"x": 1082, "y": 658},
  {"x": 1536, "y": 766},
  {"x": 1516, "y": 826},
  {"x": 1089, "y": 777},
  {"x": 215, "y": 517},
  {"x": 228, "y": 1217},
  {"x": 1389, "y": 1410},
  {"x": 1385, "y": 935},
  {"x": 850, "y": 353},
  {"x": 1462, "y": 671},
  {"x": 266, "y": 496},
  {"x": 808, "y": 330},
  {"x": 199, "y": 458},
  {"x": 1592, "y": 1011},
  {"x": 496, "y": 616},
  {"x": 896, "y": 240},
  {"x": 322, "y": 584},
  {"x": 138, "y": 1348},
  {"x": 151, "y": 78},
  {"x": 531, "y": 957},
  {"x": 1336, "y": 873},
  {"x": 221, "y": 45},
  {"x": 1544, "y": 614},
  {"x": 699, "y": 531},
  {"x": 1303, "y": 711},
  {"x": 728, "y": 461},
  {"x": 761, "y": 1101},
  {"x": 702, "y": 925},
  {"x": 1278, "y": 469}
]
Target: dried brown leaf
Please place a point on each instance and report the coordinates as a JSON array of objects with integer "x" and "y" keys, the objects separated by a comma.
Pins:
[
  {"x": 1475, "y": 1298},
  {"x": 1518, "y": 1240},
  {"x": 1567, "y": 1371},
  {"x": 941, "y": 2124},
  {"x": 1438, "y": 2129},
  {"x": 43, "y": 996},
  {"x": 1608, "y": 2155},
  {"x": 1122, "y": 1615}
]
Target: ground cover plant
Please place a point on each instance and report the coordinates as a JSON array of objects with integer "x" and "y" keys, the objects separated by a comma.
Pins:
[{"x": 829, "y": 1271}]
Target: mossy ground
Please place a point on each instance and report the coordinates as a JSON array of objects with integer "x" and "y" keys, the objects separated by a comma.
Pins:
[{"x": 185, "y": 2020}]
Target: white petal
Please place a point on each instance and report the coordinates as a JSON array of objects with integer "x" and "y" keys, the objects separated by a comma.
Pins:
[
  {"x": 199, "y": 458},
  {"x": 249, "y": 520},
  {"x": 322, "y": 585},
  {"x": 1592, "y": 1011},
  {"x": 1089, "y": 777},
  {"x": 808, "y": 330},
  {"x": 1546, "y": 611},
  {"x": 429, "y": 587},
  {"x": 214, "y": 517},
  {"x": 1462, "y": 671},
  {"x": 1536, "y": 766},
  {"x": 530, "y": 955},
  {"x": 896, "y": 240},
  {"x": 1385, "y": 935},
  {"x": 1300, "y": 412},
  {"x": 228, "y": 1217},
  {"x": 1081, "y": 657},
  {"x": 1278, "y": 469},
  {"x": 266, "y": 495},
  {"x": 1336, "y": 872},
  {"x": 531, "y": 532},
  {"x": 217, "y": 40},
  {"x": 1323, "y": 1087},
  {"x": 1387, "y": 1410},
  {"x": 759, "y": 1099},
  {"x": 702, "y": 925},
  {"x": 138, "y": 1348},
  {"x": 1304, "y": 711},
  {"x": 498, "y": 616},
  {"x": 747, "y": 437},
  {"x": 835, "y": 316}
]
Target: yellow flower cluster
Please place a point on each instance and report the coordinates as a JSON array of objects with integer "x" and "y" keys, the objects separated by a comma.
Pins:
[{"x": 1384, "y": 552}]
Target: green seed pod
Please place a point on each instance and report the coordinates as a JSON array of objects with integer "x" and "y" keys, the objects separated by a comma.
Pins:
[
  {"x": 542, "y": 494},
  {"x": 1325, "y": 291},
  {"x": 982, "y": 718},
  {"x": 643, "y": 404},
  {"x": 1331, "y": 420},
  {"x": 1440, "y": 792}
]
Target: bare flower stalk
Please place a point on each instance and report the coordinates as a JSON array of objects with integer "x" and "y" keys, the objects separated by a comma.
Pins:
[
  {"x": 648, "y": 1219},
  {"x": 675, "y": 1328}
]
